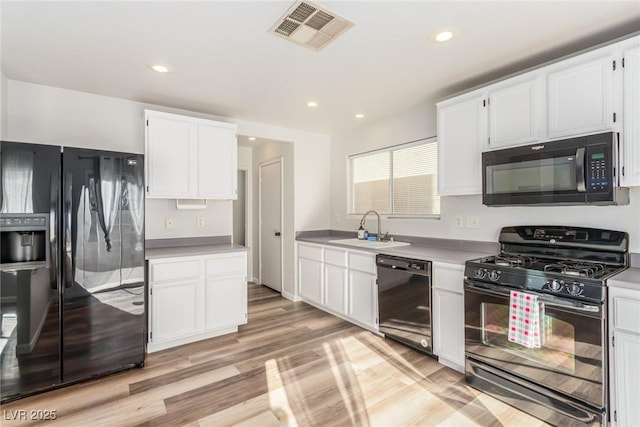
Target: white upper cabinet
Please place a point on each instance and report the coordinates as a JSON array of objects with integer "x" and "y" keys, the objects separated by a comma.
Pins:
[
  {"x": 461, "y": 135},
  {"x": 516, "y": 111},
  {"x": 580, "y": 94},
  {"x": 631, "y": 99},
  {"x": 190, "y": 158},
  {"x": 217, "y": 160},
  {"x": 171, "y": 150}
]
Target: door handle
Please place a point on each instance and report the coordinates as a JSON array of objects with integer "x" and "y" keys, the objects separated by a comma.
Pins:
[
  {"x": 54, "y": 208},
  {"x": 277, "y": 234},
  {"x": 67, "y": 242},
  {"x": 581, "y": 186}
]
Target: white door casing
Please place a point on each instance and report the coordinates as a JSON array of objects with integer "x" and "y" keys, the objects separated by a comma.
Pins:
[{"x": 270, "y": 223}]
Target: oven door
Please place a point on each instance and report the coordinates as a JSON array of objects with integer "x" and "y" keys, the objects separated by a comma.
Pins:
[{"x": 572, "y": 354}]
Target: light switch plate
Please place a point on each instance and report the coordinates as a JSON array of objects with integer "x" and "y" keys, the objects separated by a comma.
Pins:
[
  {"x": 473, "y": 222},
  {"x": 169, "y": 222}
]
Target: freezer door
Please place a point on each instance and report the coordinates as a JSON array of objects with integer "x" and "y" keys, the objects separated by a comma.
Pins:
[
  {"x": 29, "y": 308},
  {"x": 104, "y": 284}
]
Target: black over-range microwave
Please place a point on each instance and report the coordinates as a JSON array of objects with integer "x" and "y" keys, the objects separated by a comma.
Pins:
[{"x": 573, "y": 171}]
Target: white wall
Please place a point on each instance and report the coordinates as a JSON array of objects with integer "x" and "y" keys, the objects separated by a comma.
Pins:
[
  {"x": 420, "y": 122},
  {"x": 245, "y": 161},
  {"x": 3, "y": 106}
]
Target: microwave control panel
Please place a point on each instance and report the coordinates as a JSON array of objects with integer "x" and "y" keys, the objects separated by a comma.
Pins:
[{"x": 598, "y": 165}]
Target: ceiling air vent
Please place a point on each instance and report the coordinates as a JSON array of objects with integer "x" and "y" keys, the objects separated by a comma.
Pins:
[{"x": 310, "y": 25}]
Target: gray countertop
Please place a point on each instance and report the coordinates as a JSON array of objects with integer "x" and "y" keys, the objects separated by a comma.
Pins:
[
  {"x": 441, "y": 250},
  {"x": 181, "y": 247},
  {"x": 629, "y": 279}
]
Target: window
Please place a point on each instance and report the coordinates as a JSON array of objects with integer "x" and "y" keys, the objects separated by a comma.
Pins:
[{"x": 402, "y": 180}]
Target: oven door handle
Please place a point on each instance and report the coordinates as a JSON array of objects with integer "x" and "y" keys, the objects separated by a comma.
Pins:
[
  {"x": 548, "y": 300},
  {"x": 581, "y": 185}
]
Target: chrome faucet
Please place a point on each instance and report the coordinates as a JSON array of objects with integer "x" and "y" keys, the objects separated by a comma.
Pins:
[{"x": 364, "y": 217}]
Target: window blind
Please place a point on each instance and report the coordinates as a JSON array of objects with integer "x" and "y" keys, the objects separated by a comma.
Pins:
[{"x": 401, "y": 180}]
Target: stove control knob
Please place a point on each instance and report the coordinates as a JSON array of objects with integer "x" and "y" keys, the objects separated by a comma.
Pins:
[
  {"x": 556, "y": 285},
  {"x": 494, "y": 275},
  {"x": 575, "y": 288},
  {"x": 480, "y": 273}
]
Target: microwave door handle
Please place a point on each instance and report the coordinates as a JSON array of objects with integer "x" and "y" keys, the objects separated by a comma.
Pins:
[
  {"x": 66, "y": 213},
  {"x": 581, "y": 186}
]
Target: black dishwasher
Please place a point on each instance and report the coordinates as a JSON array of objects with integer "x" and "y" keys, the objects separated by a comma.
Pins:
[{"x": 404, "y": 301}]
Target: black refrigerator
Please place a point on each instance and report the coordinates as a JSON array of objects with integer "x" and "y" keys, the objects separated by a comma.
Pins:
[{"x": 72, "y": 288}]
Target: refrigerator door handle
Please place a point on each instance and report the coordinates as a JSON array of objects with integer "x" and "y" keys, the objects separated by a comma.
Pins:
[
  {"x": 67, "y": 209},
  {"x": 54, "y": 267}
]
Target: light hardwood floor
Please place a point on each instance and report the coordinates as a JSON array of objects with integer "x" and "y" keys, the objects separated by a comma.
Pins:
[{"x": 291, "y": 365}]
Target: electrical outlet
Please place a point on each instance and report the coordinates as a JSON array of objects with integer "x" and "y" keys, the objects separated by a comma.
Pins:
[
  {"x": 459, "y": 221},
  {"x": 169, "y": 222},
  {"x": 473, "y": 222},
  {"x": 199, "y": 222}
]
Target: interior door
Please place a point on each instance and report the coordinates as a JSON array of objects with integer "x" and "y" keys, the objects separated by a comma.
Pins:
[{"x": 271, "y": 224}]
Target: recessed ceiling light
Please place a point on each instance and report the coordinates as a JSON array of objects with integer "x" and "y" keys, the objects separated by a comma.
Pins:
[
  {"x": 160, "y": 68},
  {"x": 312, "y": 104},
  {"x": 252, "y": 138},
  {"x": 444, "y": 36},
  {"x": 359, "y": 116}
]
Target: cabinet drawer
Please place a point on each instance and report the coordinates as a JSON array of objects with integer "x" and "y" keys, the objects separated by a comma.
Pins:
[
  {"x": 449, "y": 277},
  {"x": 335, "y": 257},
  {"x": 226, "y": 263},
  {"x": 362, "y": 262},
  {"x": 310, "y": 252},
  {"x": 627, "y": 314},
  {"x": 174, "y": 270}
]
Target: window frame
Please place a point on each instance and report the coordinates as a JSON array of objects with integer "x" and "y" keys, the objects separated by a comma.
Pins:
[{"x": 389, "y": 149}]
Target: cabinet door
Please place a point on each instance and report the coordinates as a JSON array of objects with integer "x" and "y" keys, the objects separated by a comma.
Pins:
[
  {"x": 310, "y": 279},
  {"x": 580, "y": 94},
  {"x": 516, "y": 111},
  {"x": 448, "y": 327},
  {"x": 335, "y": 281},
  {"x": 461, "y": 135},
  {"x": 176, "y": 310},
  {"x": 631, "y": 99},
  {"x": 627, "y": 378},
  {"x": 171, "y": 144},
  {"x": 217, "y": 161},
  {"x": 362, "y": 298},
  {"x": 226, "y": 301}
]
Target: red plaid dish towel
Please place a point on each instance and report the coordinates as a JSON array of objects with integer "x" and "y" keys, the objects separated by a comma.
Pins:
[{"x": 525, "y": 314}]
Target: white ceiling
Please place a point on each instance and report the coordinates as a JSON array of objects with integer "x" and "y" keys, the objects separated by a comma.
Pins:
[{"x": 226, "y": 63}]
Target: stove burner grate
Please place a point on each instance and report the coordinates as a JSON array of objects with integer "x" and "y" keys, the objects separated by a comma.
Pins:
[
  {"x": 575, "y": 269},
  {"x": 508, "y": 260}
]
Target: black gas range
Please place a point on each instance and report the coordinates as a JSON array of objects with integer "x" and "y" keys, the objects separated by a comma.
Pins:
[
  {"x": 563, "y": 380},
  {"x": 563, "y": 261}
]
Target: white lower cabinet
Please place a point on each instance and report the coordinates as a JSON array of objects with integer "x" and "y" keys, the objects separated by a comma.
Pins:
[
  {"x": 362, "y": 298},
  {"x": 335, "y": 279},
  {"x": 310, "y": 279},
  {"x": 339, "y": 281},
  {"x": 448, "y": 314},
  {"x": 226, "y": 301},
  {"x": 624, "y": 309},
  {"x": 177, "y": 308},
  {"x": 194, "y": 298}
]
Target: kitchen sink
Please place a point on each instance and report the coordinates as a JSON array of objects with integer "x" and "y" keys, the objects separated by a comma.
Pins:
[{"x": 369, "y": 243}]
